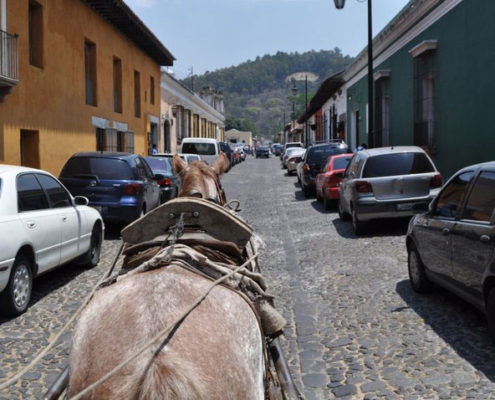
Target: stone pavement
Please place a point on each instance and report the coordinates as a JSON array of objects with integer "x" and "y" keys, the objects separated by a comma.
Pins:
[{"x": 355, "y": 329}]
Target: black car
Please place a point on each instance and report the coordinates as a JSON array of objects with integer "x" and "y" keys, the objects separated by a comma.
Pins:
[
  {"x": 119, "y": 185},
  {"x": 169, "y": 182},
  {"x": 313, "y": 160},
  {"x": 262, "y": 151},
  {"x": 453, "y": 244},
  {"x": 225, "y": 147},
  {"x": 277, "y": 149}
]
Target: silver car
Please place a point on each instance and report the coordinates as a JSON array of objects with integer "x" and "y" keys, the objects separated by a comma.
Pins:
[
  {"x": 295, "y": 157},
  {"x": 387, "y": 182}
]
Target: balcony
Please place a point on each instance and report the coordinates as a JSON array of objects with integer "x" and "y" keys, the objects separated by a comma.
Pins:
[{"x": 9, "y": 65}]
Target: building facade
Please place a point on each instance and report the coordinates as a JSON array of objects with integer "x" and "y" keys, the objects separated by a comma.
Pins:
[
  {"x": 185, "y": 113},
  {"x": 236, "y": 136},
  {"x": 88, "y": 76},
  {"x": 432, "y": 81}
]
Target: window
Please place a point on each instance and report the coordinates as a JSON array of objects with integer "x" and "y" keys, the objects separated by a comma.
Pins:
[
  {"x": 382, "y": 110},
  {"x": 129, "y": 142},
  {"x": 103, "y": 168},
  {"x": 424, "y": 96},
  {"x": 30, "y": 195},
  {"x": 117, "y": 85},
  {"x": 35, "y": 34},
  {"x": 481, "y": 202},
  {"x": 110, "y": 142},
  {"x": 137, "y": 94},
  {"x": 451, "y": 196},
  {"x": 152, "y": 90},
  {"x": 56, "y": 193},
  {"x": 100, "y": 139},
  {"x": 90, "y": 72},
  {"x": 397, "y": 164}
]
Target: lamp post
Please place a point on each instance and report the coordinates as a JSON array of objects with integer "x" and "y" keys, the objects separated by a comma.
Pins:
[{"x": 339, "y": 4}]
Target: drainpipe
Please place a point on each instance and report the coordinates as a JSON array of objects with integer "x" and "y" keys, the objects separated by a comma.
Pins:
[{"x": 3, "y": 13}]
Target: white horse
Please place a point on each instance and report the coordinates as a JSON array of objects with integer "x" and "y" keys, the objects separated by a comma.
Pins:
[{"x": 214, "y": 353}]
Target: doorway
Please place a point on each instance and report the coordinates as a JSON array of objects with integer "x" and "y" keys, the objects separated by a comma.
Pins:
[
  {"x": 166, "y": 136},
  {"x": 30, "y": 148}
]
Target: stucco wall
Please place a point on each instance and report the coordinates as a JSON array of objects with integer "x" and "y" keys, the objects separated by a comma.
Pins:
[
  {"x": 464, "y": 88},
  {"x": 52, "y": 99}
]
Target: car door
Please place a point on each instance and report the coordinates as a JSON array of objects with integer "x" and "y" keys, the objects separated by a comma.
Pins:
[
  {"x": 473, "y": 237},
  {"x": 42, "y": 224},
  {"x": 69, "y": 216},
  {"x": 433, "y": 234},
  {"x": 152, "y": 190},
  {"x": 346, "y": 186}
]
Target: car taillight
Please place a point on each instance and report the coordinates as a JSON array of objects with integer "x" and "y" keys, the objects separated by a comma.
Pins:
[
  {"x": 131, "y": 189},
  {"x": 164, "y": 182},
  {"x": 292, "y": 159},
  {"x": 436, "y": 181},
  {"x": 363, "y": 187},
  {"x": 334, "y": 180},
  {"x": 306, "y": 168}
]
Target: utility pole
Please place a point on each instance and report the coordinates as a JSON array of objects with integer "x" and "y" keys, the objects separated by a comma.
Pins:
[{"x": 306, "y": 133}]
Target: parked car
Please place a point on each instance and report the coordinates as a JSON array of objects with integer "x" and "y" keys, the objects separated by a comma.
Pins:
[
  {"x": 42, "y": 227},
  {"x": 169, "y": 182},
  {"x": 453, "y": 244},
  {"x": 188, "y": 158},
  {"x": 225, "y": 147},
  {"x": 387, "y": 182},
  {"x": 328, "y": 181},
  {"x": 208, "y": 149},
  {"x": 295, "y": 157},
  {"x": 277, "y": 149},
  {"x": 119, "y": 185},
  {"x": 288, "y": 146},
  {"x": 262, "y": 151},
  {"x": 314, "y": 157},
  {"x": 289, "y": 152}
]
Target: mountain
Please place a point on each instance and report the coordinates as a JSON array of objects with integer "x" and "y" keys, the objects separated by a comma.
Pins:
[{"x": 259, "y": 93}]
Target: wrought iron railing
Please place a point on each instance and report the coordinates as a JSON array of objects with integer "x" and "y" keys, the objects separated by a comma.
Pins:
[{"x": 9, "y": 61}]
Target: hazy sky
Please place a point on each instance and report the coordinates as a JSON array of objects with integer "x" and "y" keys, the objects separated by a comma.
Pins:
[{"x": 212, "y": 34}]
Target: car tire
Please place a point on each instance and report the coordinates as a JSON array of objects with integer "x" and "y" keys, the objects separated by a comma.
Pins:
[
  {"x": 416, "y": 269},
  {"x": 342, "y": 214},
  {"x": 327, "y": 203},
  {"x": 318, "y": 197},
  {"x": 306, "y": 190},
  {"x": 358, "y": 226},
  {"x": 91, "y": 258},
  {"x": 15, "y": 298},
  {"x": 298, "y": 179}
]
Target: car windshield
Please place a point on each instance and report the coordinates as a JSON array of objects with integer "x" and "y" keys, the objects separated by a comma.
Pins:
[
  {"x": 203, "y": 149},
  {"x": 341, "y": 162},
  {"x": 103, "y": 168},
  {"x": 319, "y": 154},
  {"x": 397, "y": 164},
  {"x": 161, "y": 164}
]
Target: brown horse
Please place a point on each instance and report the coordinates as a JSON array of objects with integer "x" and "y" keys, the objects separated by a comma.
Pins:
[{"x": 215, "y": 353}]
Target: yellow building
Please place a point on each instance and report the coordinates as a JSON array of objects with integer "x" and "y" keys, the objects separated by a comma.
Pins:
[{"x": 76, "y": 75}]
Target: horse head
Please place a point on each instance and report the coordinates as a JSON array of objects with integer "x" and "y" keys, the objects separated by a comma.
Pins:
[{"x": 202, "y": 180}]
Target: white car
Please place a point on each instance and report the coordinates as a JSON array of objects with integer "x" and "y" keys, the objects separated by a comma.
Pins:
[
  {"x": 207, "y": 148},
  {"x": 41, "y": 227}
]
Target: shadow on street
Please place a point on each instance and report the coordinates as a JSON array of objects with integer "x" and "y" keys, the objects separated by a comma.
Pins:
[
  {"x": 381, "y": 228},
  {"x": 458, "y": 323}
]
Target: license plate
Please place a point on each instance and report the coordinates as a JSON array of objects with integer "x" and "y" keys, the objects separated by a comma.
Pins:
[{"x": 405, "y": 206}]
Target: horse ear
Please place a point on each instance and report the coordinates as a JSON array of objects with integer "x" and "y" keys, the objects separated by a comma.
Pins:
[
  {"x": 178, "y": 164},
  {"x": 221, "y": 164}
]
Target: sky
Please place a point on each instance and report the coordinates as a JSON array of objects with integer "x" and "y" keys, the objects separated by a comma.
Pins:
[{"x": 206, "y": 35}]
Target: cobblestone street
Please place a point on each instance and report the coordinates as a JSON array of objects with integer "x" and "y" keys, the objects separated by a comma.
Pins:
[{"x": 355, "y": 328}]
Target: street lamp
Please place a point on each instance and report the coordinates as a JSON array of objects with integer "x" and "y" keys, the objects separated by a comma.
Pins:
[{"x": 339, "y": 4}]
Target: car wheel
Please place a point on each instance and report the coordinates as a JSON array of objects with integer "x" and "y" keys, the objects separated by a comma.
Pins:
[
  {"x": 342, "y": 214},
  {"x": 92, "y": 256},
  {"x": 358, "y": 226},
  {"x": 417, "y": 277},
  {"x": 327, "y": 203},
  {"x": 318, "y": 197},
  {"x": 14, "y": 300},
  {"x": 298, "y": 179}
]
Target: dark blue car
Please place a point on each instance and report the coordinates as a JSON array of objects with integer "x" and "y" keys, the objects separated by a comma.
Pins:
[
  {"x": 169, "y": 182},
  {"x": 119, "y": 185}
]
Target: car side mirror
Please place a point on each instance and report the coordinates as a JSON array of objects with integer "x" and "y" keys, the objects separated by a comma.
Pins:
[{"x": 81, "y": 201}]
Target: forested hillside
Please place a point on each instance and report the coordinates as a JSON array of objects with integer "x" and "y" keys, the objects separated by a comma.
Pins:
[{"x": 257, "y": 93}]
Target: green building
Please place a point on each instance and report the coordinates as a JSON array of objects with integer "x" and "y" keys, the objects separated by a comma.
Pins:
[{"x": 434, "y": 83}]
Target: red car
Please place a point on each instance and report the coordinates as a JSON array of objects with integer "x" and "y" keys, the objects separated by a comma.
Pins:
[{"x": 328, "y": 181}]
